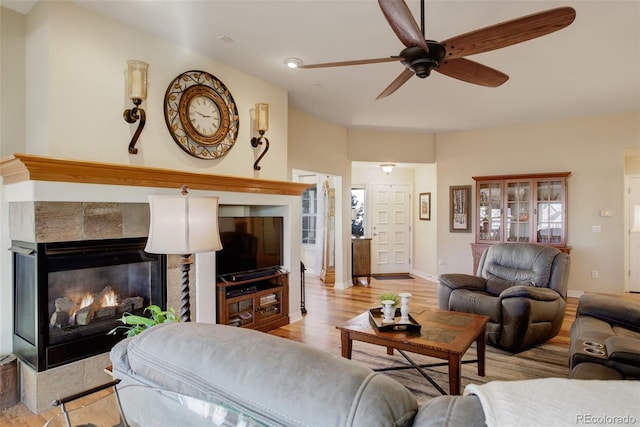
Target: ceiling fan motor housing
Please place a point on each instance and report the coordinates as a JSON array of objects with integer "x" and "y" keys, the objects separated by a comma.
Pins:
[{"x": 421, "y": 62}]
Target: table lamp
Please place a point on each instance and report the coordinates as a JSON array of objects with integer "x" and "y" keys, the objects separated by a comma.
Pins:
[{"x": 183, "y": 225}]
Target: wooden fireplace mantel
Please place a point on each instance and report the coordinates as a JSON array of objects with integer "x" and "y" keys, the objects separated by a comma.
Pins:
[{"x": 26, "y": 167}]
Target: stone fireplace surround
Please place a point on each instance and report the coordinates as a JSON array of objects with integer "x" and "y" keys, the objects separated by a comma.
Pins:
[{"x": 55, "y": 200}]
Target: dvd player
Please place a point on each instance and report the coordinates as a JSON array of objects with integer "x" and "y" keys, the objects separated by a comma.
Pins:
[{"x": 242, "y": 291}]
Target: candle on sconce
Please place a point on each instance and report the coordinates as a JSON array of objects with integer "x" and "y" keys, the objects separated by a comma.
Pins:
[
  {"x": 262, "y": 117},
  {"x": 137, "y": 79}
]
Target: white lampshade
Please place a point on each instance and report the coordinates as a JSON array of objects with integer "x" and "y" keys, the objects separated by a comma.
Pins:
[
  {"x": 183, "y": 225},
  {"x": 635, "y": 227}
]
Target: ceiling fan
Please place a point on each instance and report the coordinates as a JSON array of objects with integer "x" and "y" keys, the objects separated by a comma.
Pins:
[{"x": 420, "y": 56}]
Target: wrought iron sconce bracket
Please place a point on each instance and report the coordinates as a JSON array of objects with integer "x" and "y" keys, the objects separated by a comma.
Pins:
[
  {"x": 255, "y": 142},
  {"x": 132, "y": 115}
]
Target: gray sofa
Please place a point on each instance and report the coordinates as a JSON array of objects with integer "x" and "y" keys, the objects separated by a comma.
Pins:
[
  {"x": 605, "y": 339},
  {"x": 284, "y": 383},
  {"x": 276, "y": 381}
]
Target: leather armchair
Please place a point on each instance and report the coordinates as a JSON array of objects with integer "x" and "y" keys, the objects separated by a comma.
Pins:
[
  {"x": 522, "y": 287},
  {"x": 605, "y": 338}
]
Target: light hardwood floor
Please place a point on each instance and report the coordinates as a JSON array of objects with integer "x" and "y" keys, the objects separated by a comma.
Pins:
[{"x": 326, "y": 308}]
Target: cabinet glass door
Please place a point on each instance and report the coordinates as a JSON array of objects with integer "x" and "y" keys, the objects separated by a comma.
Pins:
[
  {"x": 549, "y": 208},
  {"x": 490, "y": 211},
  {"x": 518, "y": 213},
  {"x": 240, "y": 311},
  {"x": 270, "y": 304}
]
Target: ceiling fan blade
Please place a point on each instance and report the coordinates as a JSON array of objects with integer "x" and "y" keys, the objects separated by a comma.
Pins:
[
  {"x": 472, "y": 72},
  {"x": 509, "y": 32},
  {"x": 402, "y": 23},
  {"x": 395, "y": 85},
  {"x": 355, "y": 62}
]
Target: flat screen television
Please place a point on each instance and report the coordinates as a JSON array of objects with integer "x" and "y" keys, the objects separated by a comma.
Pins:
[{"x": 249, "y": 243}]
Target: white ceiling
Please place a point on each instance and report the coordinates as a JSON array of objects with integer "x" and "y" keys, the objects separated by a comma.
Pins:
[{"x": 591, "y": 67}]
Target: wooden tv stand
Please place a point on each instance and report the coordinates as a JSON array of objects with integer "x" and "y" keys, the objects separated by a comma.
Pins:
[{"x": 260, "y": 303}]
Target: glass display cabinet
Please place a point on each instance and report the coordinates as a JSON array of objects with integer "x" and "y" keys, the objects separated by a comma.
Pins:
[{"x": 520, "y": 208}]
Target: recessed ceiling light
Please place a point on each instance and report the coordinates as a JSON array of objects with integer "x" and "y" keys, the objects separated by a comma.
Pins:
[
  {"x": 293, "y": 62},
  {"x": 225, "y": 39}
]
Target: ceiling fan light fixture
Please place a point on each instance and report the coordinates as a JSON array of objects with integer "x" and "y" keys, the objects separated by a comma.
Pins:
[{"x": 292, "y": 62}]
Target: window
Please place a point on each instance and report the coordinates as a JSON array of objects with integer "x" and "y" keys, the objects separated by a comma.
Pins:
[
  {"x": 309, "y": 215},
  {"x": 357, "y": 211}
]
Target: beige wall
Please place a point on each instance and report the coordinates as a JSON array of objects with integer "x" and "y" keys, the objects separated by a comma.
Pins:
[
  {"x": 632, "y": 162},
  {"x": 76, "y": 63},
  {"x": 321, "y": 147},
  {"x": 317, "y": 145},
  {"x": 399, "y": 147},
  {"x": 425, "y": 256},
  {"x": 12, "y": 81},
  {"x": 592, "y": 148}
]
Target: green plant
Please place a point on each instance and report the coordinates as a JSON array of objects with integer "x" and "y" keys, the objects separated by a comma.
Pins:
[
  {"x": 389, "y": 296},
  {"x": 135, "y": 324}
]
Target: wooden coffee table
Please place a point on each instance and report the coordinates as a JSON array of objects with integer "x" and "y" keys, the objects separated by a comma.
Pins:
[{"x": 444, "y": 335}]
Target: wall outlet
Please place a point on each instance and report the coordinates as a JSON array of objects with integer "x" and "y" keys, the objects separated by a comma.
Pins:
[
  {"x": 440, "y": 262},
  {"x": 594, "y": 274},
  {"x": 596, "y": 229}
]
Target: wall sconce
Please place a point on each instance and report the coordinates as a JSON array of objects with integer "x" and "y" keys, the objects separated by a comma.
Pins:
[
  {"x": 262, "y": 125},
  {"x": 137, "y": 91},
  {"x": 635, "y": 228},
  {"x": 387, "y": 167},
  {"x": 183, "y": 225}
]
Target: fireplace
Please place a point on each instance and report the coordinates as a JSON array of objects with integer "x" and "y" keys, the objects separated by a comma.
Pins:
[{"x": 69, "y": 295}]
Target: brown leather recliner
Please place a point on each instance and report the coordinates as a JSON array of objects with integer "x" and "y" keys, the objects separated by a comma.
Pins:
[{"x": 522, "y": 287}]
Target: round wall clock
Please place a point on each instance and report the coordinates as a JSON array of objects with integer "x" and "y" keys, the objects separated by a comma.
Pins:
[{"x": 201, "y": 114}]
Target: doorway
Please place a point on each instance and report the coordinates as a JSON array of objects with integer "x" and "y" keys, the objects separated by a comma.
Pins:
[
  {"x": 321, "y": 243},
  {"x": 391, "y": 228}
]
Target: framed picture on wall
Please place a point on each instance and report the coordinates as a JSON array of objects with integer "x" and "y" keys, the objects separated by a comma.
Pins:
[
  {"x": 425, "y": 206},
  {"x": 460, "y": 209}
]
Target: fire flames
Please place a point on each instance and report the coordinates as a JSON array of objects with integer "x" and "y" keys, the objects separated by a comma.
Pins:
[
  {"x": 92, "y": 306},
  {"x": 86, "y": 301},
  {"x": 109, "y": 299}
]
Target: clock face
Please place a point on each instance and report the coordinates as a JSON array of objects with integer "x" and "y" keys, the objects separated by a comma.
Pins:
[
  {"x": 204, "y": 115},
  {"x": 201, "y": 115}
]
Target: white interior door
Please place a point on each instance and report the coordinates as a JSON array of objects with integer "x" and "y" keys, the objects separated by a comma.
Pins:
[
  {"x": 391, "y": 243},
  {"x": 634, "y": 237}
]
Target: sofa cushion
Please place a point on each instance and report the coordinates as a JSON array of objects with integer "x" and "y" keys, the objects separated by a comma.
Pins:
[
  {"x": 623, "y": 350},
  {"x": 275, "y": 380},
  {"x": 522, "y": 264},
  {"x": 451, "y": 411},
  {"x": 476, "y": 302},
  {"x": 614, "y": 311},
  {"x": 594, "y": 371}
]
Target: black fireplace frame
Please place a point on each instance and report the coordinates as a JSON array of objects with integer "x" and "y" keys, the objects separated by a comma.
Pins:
[{"x": 32, "y": 345}]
